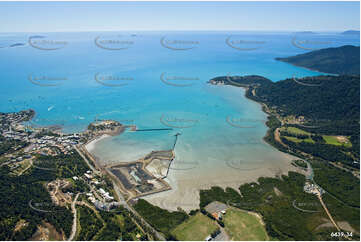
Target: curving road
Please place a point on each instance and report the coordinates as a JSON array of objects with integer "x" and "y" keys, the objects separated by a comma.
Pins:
[{"x": 73, "y": 209}]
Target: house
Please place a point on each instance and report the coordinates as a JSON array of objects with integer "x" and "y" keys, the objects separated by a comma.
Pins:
[
  {"x": 88, "y": 176},
  {"x": 216, "y": 209},
  {"x": 101, "y": 190},
  {"x": 108, "y": 197}
]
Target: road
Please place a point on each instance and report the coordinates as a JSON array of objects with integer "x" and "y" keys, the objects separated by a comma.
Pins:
[
  {"x": 121, "y": 198},
  {"x": 278, "y": 138},
  {"x": 222, "y": 236},
  {"x": 328, "y": 213},
  {"x": 73, "y": 209},
  {"x": 86, "y": 160},
  {"x": 131, "y": 209},
  {"x": 309, "y": 175}
]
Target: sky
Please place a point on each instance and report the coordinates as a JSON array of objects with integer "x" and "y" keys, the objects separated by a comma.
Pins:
[{"x": 196, "y": 16}]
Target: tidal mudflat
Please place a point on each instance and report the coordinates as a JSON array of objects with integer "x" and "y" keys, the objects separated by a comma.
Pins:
[{"x": 221, "y": 149}]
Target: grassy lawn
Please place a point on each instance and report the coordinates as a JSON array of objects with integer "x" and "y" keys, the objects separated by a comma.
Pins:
[
  {"x": 309, "y": 140},
  {"x": 241, "y": 225},
  {"x": 297, "y": 140},
  {"x": 295, "y": 130},
  {"x": 293, "y": 139},
  {"x": 332, "y": 140},
  {"x": 197, "y": 227}
]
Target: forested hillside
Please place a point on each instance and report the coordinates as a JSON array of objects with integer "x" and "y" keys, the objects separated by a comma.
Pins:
[{"x": 341, "y": 60}]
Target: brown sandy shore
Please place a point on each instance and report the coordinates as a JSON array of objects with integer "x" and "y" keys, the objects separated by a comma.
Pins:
[{"x": 187, "y": 184}]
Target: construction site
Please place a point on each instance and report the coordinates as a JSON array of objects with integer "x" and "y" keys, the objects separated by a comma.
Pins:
[{"x": 137, "y": 180}]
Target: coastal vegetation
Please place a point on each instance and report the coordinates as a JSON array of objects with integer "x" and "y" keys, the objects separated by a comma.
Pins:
[
  {"x": 314, "y": 118},
  {"x": 338, "y": 183},
  {"x": 329, "y": 109},
  {"x": 161, "y": 219},
  {"x": 300, "y": 163},
  {"x": 279, "y": 201}
]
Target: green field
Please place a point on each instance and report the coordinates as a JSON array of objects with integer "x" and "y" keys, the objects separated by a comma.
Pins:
[
  {"x": 197, "y": 227},
  {"x": 309, "y": 140},
  {"x": 241, "y": 225},
  {"x": 332, "y": 140},
  {"x": 295, "y": 130},
  {"x": 297, "y": 140}
]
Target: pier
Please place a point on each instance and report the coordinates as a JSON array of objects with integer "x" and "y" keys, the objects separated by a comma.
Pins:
[{"x": 141, "y": 130}]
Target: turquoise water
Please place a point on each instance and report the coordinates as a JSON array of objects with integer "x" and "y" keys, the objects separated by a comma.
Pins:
[
  {"x": 164, "y": 88},
  {"x": 79, "y": 98}
]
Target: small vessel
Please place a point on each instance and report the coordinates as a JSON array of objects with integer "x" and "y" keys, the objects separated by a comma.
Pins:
[{"x": 50, "y": 108}]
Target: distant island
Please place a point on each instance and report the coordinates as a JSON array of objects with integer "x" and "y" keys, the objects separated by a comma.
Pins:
[
  {"x": 17, "y": 44},
  {"x": 305, "y": 32},
  {"x": 351, "y": 32},
  {"x": 36, "y": 36},
  {"x": 344, "y": 60}
]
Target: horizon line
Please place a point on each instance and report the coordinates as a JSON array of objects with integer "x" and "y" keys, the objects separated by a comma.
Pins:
[{"x": 188, "y": 30}]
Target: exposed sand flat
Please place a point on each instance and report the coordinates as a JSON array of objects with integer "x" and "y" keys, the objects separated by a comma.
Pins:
[
  {"x": 186, "y": 184},
  {"x": 212, "y": 153},
  {"x": 158, "y": 167}
]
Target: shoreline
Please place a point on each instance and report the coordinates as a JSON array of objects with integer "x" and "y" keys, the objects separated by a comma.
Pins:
[
  {"x": 307, "y": 68},
  {"x": 185, "y": 187},
  {"x": 90, "y": 145},
  {"x": 185, "y": 192},
  {"x": 189, "y": 198}
]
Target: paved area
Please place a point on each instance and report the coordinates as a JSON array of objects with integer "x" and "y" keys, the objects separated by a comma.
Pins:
[{"x": 215, "y": 207}]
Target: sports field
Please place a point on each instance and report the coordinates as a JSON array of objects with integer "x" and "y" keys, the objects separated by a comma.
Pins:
[
  {"x": 295, "y": 130},
  {"x": 197, "y": 227},
  {"x": 241, "y": 225},
  {"x": 335, "y": 140}
]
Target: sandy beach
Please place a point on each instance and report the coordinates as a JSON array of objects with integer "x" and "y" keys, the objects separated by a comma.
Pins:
[{"x": 91, "y": 145}]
